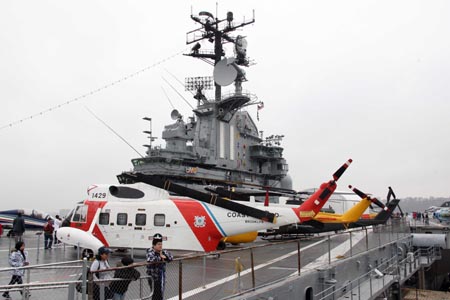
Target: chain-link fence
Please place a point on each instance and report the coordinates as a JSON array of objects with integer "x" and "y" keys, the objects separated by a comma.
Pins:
[
  {"x": 206, "y": 276},
  {"x": 40, "y": 280}
]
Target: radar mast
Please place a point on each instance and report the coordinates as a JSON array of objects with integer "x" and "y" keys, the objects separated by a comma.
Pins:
[{"x": 217, "y": 31}]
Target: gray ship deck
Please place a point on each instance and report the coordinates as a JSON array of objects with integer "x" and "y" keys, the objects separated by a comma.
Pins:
[{"x": 338, "y": 266}]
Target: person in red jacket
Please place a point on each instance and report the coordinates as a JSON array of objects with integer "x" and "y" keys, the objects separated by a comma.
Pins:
[{"x": 48, "y": 234}]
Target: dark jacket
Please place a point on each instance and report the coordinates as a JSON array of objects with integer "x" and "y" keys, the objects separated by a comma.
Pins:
[
  {"x": 19, "y": 225},
  {"x": 121, "y": 286},
  {"x": 157, "y": 269}
]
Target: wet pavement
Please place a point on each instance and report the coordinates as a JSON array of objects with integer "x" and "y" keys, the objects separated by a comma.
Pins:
[{"x": 202, "y": 278}]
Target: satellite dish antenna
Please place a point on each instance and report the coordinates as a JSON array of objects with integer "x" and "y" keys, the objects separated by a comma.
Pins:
[
  {"x": 224, "y": 72},
  {"x": 174, "y": 114},
  {"x": 207, "y": 14}
]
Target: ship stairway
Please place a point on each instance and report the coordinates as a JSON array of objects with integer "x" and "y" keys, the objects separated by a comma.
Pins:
[
  {"x": 393, "y": 272},
  {"x": 374, "y": 267}
]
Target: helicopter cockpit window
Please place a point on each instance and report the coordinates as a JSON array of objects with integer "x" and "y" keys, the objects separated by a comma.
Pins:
[
  {"x": 80, "y": 214},
  {"x": 122, "y": 219},
  {"x": 103, "y": 219},
  {"x": 159, "y": 220},
  {"x": 69, "y": 215}
]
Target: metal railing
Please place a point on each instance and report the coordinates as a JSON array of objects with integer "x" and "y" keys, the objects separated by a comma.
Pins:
[
  {"x": 377, "y": 278},
  {"x": 243, "y": 269}
]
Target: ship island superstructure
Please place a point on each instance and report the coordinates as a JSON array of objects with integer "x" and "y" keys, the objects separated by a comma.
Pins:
[{"x": 220, "y": 143}]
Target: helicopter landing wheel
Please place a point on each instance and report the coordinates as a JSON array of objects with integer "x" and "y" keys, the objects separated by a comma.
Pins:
[{"x": 88, "y": 253}]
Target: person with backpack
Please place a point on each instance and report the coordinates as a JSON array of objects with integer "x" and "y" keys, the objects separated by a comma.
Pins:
[
  {"x": 101, "y": 263},
  {"x": 48, "y": 234},
  {"x": 120, "y": 287},
  {"x": 17, "y": 259}
]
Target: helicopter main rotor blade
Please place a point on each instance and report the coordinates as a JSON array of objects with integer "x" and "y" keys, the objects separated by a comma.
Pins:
[
  {"x": 341, "y": 170},
  {"x": 363, "y": 195},
  {"x": 390, "y": 193},
  {"x": 163, "y": 183}
]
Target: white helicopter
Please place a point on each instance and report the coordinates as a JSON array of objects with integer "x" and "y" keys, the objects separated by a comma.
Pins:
[{"x": 128, "y": 215}]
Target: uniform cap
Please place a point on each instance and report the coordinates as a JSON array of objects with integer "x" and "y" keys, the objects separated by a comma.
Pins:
[
  {"x": 103, "y": 250},
  {"x": 157, "y": 238}
]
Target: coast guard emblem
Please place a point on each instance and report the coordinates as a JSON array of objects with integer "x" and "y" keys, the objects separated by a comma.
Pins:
[{"x": 200, "y": 221}]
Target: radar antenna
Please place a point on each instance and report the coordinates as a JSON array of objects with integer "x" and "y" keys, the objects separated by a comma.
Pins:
[
  {"x": 217, "y": 31},
  {"x": 175, "y": 115}
]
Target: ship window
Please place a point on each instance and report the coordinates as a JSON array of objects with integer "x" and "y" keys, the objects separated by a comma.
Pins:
[
  {"x": 282, "y": 167},
  {"x": 159, "y": 220},
  {"x": 122, "y": 219},
  {"x": 103, "y": 219},
  {"x": 309, "y": 293},
  {"x": 141, "y": 219},
  {"x": 80, "y": 214}
]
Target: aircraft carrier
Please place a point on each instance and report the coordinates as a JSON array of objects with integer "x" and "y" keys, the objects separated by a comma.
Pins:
[{"x": 220, "y": 150}]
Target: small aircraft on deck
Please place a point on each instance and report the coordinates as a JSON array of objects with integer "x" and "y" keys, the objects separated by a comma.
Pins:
[
  {"x": 127, "y": 216},
  {"x": 34, "y": 219},
  {"x": 441, "y": 213},
  {"x": 436, "y": 208}
]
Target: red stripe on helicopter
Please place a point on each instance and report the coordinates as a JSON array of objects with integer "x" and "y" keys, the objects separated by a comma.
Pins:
[
  {"x": 98, "y": 234},
  {"x": 200, "y": 223},
  {"x": 315, "y": 202},
  {"x": 92, "y": 209}
]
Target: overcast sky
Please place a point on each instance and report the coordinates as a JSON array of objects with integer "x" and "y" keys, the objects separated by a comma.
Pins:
[{"x": 367, "y": 80}]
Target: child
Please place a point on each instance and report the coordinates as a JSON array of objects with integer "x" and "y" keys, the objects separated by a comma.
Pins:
[
  {"x": 120, "y": 287},
  {"x": 17, "y": 259}
]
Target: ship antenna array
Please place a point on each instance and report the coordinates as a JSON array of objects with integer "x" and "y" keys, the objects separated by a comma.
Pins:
[
  {"x": 214, "y": 30},
  {"x": 150, "y": 135},
  {"x": 273, "y": 140}
]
